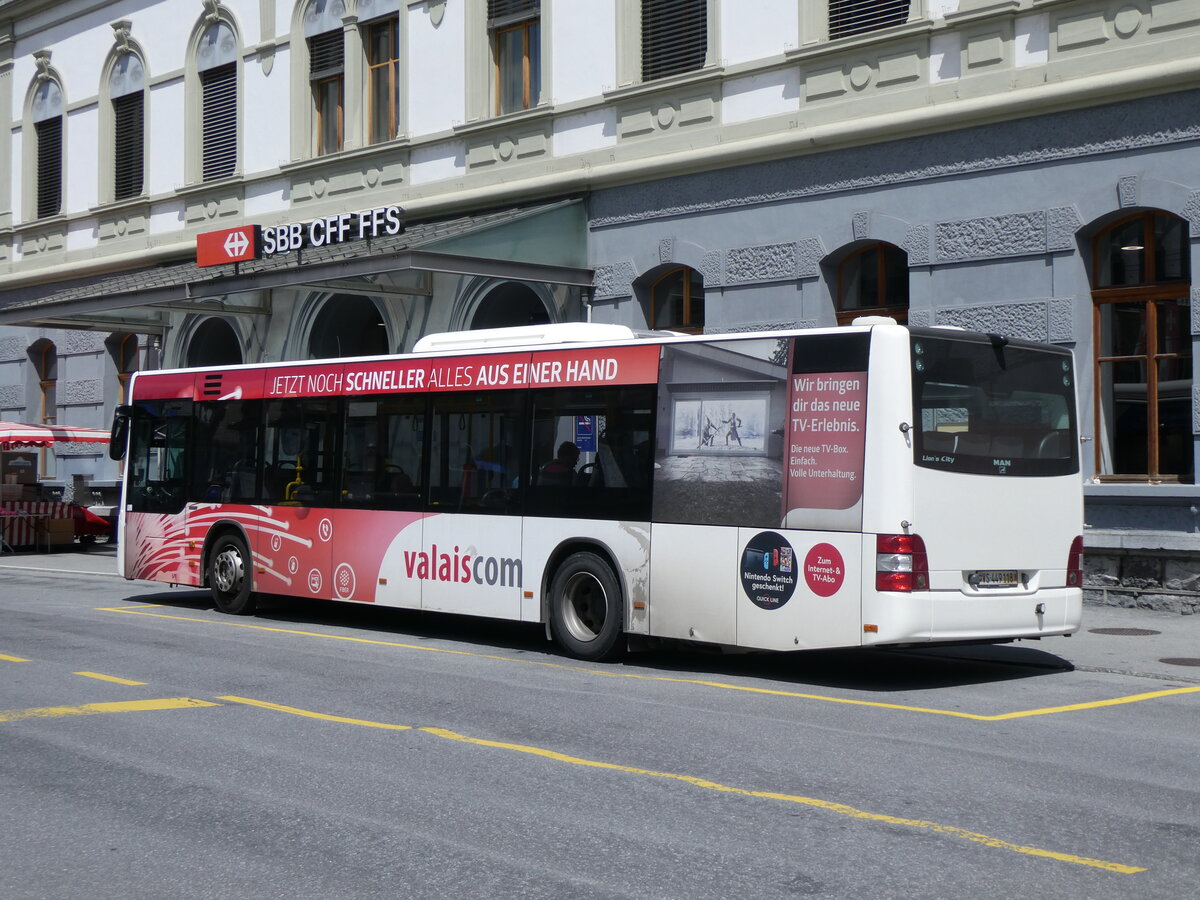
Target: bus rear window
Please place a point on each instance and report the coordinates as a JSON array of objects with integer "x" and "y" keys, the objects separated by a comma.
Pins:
[{"x": 993, "y": 408}]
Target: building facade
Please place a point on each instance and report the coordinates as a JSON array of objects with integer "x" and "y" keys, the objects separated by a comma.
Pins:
[{"x": 1029, "y": 167}]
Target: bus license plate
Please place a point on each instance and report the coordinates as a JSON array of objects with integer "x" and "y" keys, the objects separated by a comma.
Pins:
[{"x": 995, "y": 578}]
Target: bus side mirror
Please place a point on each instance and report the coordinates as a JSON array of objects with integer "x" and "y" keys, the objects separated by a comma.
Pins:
[{"x": 119, "y": 435}]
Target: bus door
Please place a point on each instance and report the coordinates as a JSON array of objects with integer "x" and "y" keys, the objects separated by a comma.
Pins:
[
  {"x": 470, "y": 557},
  {"x": 298, "y": 534},
  {"x": 224, "y": 466}
]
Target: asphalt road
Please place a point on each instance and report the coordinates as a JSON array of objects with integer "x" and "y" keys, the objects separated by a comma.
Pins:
[{"x": 152, "y": 747}]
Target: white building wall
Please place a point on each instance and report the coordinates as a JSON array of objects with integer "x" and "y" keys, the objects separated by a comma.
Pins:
[
  {"x": 758, "y": 30},
  {"x": 266, "y": 115},
  {"x": 583, "y": 33},
  {"x": 165, "y": 125},
  {"x": 435, "y": 69},
  {"x": 81, "y": 136}
]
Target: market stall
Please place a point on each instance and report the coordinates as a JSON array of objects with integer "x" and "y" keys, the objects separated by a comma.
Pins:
[{"x": 27, "y": 518}]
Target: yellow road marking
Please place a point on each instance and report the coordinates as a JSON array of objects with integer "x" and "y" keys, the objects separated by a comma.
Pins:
[
  {"x": 721, "y": 685},
  {"x": 828, "y": 806},
  {"x": 89, "y": 709},
  {"x": 8, "y": 658},
  {"x": 366, "y": 723},
  {"x": 113, "y": 678}
]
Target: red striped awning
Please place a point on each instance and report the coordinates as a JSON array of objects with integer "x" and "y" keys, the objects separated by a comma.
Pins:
[{"x": 14, "y": 435}]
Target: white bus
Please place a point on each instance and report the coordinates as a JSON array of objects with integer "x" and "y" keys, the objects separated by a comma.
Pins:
[{"x": 869, "y": 485}]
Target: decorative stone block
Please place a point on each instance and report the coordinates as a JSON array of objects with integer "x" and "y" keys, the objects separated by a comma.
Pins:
[
  {"x": 769, "y": 262},
  {"x": 922, "y": 318},
  {"x": 615, "y": 280},
  {"x": 73, "y": 393},
  {"x": 1195, "y": 409},
  {"x": 824, "y": 84},
  {"x": 666, "y": 250},
  {"x": 1191, "y": 212},
  {"x": 809, "y": 253},
  {"x": 899, "y": 68},
  {"x": 12, "y": 348},
  {"x": 1127, "y": 191},
  {"x": 1081, "y": 31},
  {"x": 1025, "y": 320},
  {"x": 991, "y": 237},
  {"x": 1062, "y": 320},
  {"x": 1062, "y": 223},
  {"x": 70, "y": 342},
  {"x": 712, "y": 267},
  {"x": 861, "y": 225},
  {"x": 1195, "y": 309},
  {"x": 12, "y": 396},
  {"x": 916, "y": 245}
]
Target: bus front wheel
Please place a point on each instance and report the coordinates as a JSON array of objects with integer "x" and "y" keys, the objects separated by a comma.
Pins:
[
  {"x": 229, "y": 575},
  {"x": 586, "y": 608}
]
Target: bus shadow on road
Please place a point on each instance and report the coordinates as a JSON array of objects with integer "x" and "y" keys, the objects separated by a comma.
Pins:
[{"x": 869, "y": 670}]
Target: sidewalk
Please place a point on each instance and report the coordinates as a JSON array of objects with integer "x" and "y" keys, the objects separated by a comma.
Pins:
[{"x": 1123, "y": 641}]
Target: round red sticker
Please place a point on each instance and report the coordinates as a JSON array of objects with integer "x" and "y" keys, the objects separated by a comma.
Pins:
[{"x": 824, "y": 570}]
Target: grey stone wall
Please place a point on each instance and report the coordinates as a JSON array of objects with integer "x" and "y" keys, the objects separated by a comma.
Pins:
[{"x": 1167, "y": 582}]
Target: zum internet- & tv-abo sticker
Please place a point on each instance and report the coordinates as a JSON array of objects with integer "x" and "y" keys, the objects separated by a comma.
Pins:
[{"x": 769, "y": 570}]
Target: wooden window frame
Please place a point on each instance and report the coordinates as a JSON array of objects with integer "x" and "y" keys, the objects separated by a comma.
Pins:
[
  {"x": 392, "y": 65},
  {"x": 687, "y": 326},
  {"x": 1148, "y": 293},
  {"x": 527, "y": 87},
  {"x": 897, "y": 311}
]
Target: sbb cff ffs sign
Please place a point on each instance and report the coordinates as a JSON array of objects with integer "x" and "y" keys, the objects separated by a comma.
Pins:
[
  {"x": 253, "y": 241},
  {"x": 227, "y": 246}
]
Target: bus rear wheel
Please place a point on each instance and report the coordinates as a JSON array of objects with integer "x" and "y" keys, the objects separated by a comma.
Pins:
[
  {"x": 229, "y": 576},
  {"x": 586, "y": 608}
]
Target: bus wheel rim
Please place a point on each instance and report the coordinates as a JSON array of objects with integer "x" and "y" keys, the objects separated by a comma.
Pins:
[
  {"x": 228, "y": 570},
  {"x": 584, "y": 606}
]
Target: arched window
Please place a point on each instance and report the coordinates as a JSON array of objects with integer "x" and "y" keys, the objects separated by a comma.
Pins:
[
  {"x": 515, "y": 30},
  {"x": 126, "y": 90},
  {"x": 327, "y": 71},
  {"x": 48, "y": 138},
  {"x": 1143, "y": 349},
  {"x": 216, "y": 61},
  {"x": 677, "y": 301},
  {"x": 380, "y": 30},
  {"x": 348, "y": 325},
  {"x": 214, "y": 343},
  {"x": 509, "y": 304},
  {"x": 124, "y": 351},
  {"x": 873, "y": 281},
  {"x": 44, "y": 356}
]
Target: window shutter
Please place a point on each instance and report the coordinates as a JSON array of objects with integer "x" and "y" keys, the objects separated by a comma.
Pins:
[
  {"x": 128, "y": 145},
  {"x": 847, "y": 17},
  {"x": 674, "y": 37},
  {"x": 326, "y": 55},
  {"x": 508, "y": 12},
  {"x": 219, "y": 97},
  {"x": 49, "y": 166}
]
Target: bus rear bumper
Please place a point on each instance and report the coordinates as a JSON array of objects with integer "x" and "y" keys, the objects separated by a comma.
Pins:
[{"x": 935, "y": 616}]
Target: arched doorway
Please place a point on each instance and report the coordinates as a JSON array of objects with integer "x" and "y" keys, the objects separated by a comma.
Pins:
[
  {"x": 348, "y": 325},
  {"x": 509, "y": 304},
  {"x": 214, "y": 343},
  {"x": 1141, "y": 293}
]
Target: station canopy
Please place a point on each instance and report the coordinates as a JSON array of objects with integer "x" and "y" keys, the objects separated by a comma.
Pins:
[{"x": 545, "y": 243}]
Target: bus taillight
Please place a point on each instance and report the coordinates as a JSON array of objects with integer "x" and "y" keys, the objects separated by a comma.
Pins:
[
  {"x": 901, "y": 563},
  {"x": 1075, "y": 563}
]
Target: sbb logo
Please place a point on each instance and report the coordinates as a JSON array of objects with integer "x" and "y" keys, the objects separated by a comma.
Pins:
[{"x": 215, "y": 248}]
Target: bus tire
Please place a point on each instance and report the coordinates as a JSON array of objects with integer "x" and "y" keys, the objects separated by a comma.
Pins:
[
  {"x": 587, "y": 611},
  {"x": 229, "y": 575}
]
